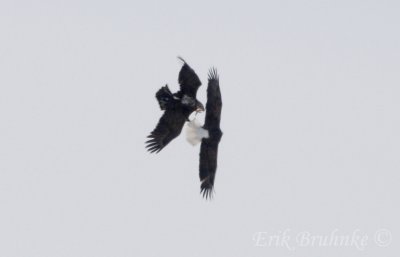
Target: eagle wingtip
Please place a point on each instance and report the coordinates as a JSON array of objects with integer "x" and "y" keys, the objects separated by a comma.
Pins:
[
  {"x": 207, "y": 189},
  {"x": 152, "y": 146},
  {"x": 213, "y": 74},
  {"x": 181, "y": 59},
  {"x": 207, "y": 193}
]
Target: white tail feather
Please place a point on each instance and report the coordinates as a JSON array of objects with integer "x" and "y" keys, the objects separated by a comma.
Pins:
[{"x": 195, "y": 133}]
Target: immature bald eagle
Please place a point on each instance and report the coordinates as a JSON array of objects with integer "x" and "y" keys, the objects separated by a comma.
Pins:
[
  {"x": 210, "y": 135},
  {"x": 177, "y": 108}
]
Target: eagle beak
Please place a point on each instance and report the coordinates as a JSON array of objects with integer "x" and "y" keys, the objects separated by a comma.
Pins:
[{"x": 200, "y": 108}]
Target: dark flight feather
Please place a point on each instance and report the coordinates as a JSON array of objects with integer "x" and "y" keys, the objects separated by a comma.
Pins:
[
  {"x": 169, "y": 127},
  {"x": 188, "y": 80},
  {"x": 209, "y": 146}
]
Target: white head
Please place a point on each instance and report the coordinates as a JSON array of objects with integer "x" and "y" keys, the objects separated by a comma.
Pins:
[{"x": 195, "y": 132}]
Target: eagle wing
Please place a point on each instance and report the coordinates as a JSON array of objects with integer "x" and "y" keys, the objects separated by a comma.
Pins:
[
  {"x": 169, "y": 127},
  {"x": 209, "y": 146},
  {"x": 188, "y": 80}
]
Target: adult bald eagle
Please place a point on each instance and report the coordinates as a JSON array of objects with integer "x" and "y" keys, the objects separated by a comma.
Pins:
[
  {"x": 210, "y": 135},
  {"x": 177, "y": 108}
]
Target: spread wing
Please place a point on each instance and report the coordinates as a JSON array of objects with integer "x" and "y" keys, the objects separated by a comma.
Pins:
[
  {"x": 209, "y": 146},
  {"x": 169, "y": 127},
  {"x": 214, "y": 101},
  {"x": 188, "y": 80}
]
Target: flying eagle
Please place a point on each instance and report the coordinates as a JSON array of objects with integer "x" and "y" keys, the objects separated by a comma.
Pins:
[
  {"x": 177, "y": 108},
  {"x": 209, "y": 135}
]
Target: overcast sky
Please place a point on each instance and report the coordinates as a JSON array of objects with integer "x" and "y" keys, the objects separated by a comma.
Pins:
[{"x": 311, "y": 127}]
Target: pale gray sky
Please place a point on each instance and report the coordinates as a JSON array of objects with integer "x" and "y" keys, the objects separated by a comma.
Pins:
[{"x": 310, "y": 118}]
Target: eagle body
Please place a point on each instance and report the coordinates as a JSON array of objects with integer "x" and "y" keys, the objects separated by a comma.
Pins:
[
  {"x": 177, "y": 108},
  {"x": 209, "y": 145}
]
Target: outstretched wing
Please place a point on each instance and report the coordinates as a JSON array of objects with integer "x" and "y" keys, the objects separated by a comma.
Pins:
[
  {"x": 169, "y": 127},
  {"x": 209, "y": 146},
  {"x": 214, "y": 101},
  {"x": 188, "y": 80}
]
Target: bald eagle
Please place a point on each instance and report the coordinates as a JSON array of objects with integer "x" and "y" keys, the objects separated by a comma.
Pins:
[
  {"x": 209, "y": 135},
  {"x": 177, "y": 108}
]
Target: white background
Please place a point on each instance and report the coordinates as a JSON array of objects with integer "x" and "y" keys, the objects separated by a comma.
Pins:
[{"x": 310, "y": 118}]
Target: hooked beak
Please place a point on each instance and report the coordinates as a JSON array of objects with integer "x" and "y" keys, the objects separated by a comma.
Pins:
[{"x": 200, "y": 109}]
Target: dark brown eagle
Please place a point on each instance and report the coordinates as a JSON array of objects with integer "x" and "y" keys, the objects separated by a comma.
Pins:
[
  {"x": 177, "y": 108},
  {"x": 209, "y": 145},
  {"x": 209, "y": 135}
]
